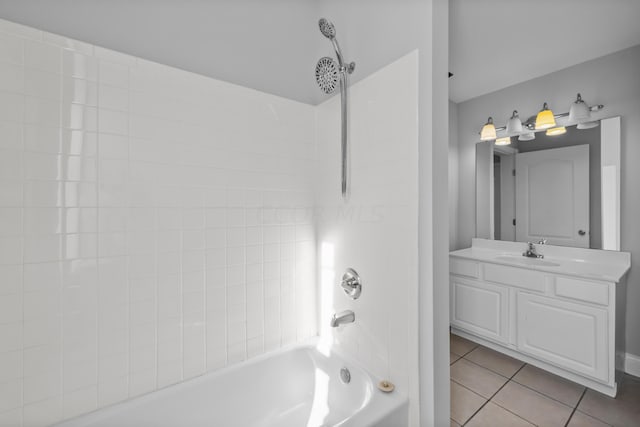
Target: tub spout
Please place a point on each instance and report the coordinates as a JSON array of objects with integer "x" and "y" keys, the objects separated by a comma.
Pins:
[{"x": 343, "y": 317}]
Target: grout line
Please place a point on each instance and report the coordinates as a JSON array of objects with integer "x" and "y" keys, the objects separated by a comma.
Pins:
[
  {"x": 463, "y": 355},
  {"x": 490, "y": 370},
  {"x": 545, "y": 395},
  {"x": 519, "y": 383},
  {"x": 494, "y": 394},
  {"x": 576, "y": 407}
]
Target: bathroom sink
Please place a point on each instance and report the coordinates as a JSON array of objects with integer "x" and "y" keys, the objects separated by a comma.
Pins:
[{"x": 527, "y": 261}]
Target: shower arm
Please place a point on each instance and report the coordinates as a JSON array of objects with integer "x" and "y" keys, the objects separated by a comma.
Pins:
[{"x": 348, "y": 68}]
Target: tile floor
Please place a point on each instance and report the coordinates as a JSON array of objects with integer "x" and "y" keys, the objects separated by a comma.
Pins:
[{"x": 493, "y": 390}]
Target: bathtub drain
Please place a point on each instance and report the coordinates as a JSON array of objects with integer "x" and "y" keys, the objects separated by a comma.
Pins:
[{"x": 345, "y": 375}]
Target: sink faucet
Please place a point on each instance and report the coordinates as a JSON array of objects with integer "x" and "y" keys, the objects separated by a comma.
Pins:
[
  {"x": 343, "y": 317},
  {"x": 531, "y": 252}
]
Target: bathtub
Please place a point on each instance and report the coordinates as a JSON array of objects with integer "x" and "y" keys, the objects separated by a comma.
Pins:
[{"x": 297, "y": 387}]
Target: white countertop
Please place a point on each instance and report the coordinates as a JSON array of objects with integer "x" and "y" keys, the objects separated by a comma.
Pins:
[{"x": 593, "y": 264}]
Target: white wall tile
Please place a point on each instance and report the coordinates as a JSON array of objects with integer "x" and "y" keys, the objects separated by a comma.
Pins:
[
  {"x": 11, "y": 49},
  {"x": 79, "y": 65},
  {"x": 114, "y": 74},
  {"x": 40, "y": 84},
  {"x": 12, "y": 78},
  {"x": 43, "y": 413},
  {"x": 133, "y": 227},
  {"x": 79, "y": 91},
  {"x": 42, "y": 56},
  {"x": 11, "y": 106}
]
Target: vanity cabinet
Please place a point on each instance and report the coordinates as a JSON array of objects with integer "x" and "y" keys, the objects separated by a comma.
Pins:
[
  {"x": 561, "y": 323},
  {"x": 481, "y": 308}
]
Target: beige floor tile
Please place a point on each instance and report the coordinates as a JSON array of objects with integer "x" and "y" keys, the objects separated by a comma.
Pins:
[
  {"x": 623, "y": 411},
  {"x": 476, "y": 378},
  {"x": 550, "y": 385},
  {"x": 464, "y": 403},
  {"x": 532, "y": 406},
  {"x": 454, "y": 424},
  {"x": 459, "y": 345},
  {"x": 494, "y": 416},
  {"x": 453, "y": 357},
  {"x": 583, "y": 420},
  {"x": 497, "y": 362}
]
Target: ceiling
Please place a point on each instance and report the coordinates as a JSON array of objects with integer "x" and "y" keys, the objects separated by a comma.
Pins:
[
  {"x": 273, "y": 45},
  {"x": 246, "y": 42},
  {"x": 494, "y": 44}
]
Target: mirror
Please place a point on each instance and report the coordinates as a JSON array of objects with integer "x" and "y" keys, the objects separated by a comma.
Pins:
[{"x": 564, "y": 189}]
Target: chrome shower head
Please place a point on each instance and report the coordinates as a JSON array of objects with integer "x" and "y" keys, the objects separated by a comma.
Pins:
[
  {"x": 327, "y": 74},
  {"x": 327, "y": 28}
]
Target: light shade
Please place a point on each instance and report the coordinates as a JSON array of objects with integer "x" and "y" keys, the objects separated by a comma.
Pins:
[
  {"x": 503, "y": 141},
  {"x": 545, "y": 119},
  {"x": 579, "y": 111},
  {"x": 556, "y": 131},
  {"x": 527, "y": 136},
  {"x": 514, "y": 125},
  {"x": 488, "y": 132},
  {"x": 588, "y": 125}
]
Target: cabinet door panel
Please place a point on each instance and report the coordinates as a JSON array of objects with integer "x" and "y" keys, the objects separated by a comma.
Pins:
[
  {"x": 480, "y": 308},
  {"x": 568, "y": 335}
]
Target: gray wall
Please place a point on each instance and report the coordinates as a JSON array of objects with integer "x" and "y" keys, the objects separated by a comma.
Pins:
[{"x": 611, "y": 80}]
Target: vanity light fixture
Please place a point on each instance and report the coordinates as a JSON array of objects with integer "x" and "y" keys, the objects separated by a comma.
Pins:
[
  {"x": 580, "y": 114},
  {"x": 514, "y": 125},
  {"x": 545, "y": 119},
  {"x": 587, "y": 125},
  {"x": 488, "y": 132},
  {"x": 503, "y": 141},
  {"x": 527, "y": 136},
  {"x": 579, "y": 111},
  {"x": 556, "y": 131}
]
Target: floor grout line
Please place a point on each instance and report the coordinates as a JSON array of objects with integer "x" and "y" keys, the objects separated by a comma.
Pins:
[
  {"x": 491, "y": 370},
  {"x": 547, "y": 396},
  {"x": 576, "y": 408},
  {"x": 516, "y": 381},
  {"x": 494, "y": 395},
  {"x": 463, "y": 355}
]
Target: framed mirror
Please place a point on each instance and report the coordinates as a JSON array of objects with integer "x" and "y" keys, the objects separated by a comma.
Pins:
[{"x": 562, "y": 189}]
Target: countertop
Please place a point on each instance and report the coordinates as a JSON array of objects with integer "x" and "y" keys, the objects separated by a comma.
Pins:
[{"x": 584, "y": 263}]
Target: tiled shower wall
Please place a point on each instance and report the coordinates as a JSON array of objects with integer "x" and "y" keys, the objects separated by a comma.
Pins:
[{"x": 154, "y": 225}]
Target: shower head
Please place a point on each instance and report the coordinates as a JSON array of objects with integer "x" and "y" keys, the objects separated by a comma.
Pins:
[
  {"x": 327, "y": 28},
  {"x": 327, "y": 74}
]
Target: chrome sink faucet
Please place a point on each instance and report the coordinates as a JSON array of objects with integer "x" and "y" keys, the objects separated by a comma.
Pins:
[
  {"x": 531, "y": 252},
  {"x": 343, "y": 317}
]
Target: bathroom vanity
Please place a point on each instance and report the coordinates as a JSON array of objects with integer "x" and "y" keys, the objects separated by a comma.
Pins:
[{"x": 560, "y": 313}]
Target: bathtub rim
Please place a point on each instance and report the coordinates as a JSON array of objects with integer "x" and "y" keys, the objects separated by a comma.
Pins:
[{"x": 394, "y": 400}]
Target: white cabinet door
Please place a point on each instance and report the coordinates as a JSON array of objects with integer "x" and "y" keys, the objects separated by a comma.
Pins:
[
  {"x": 569, "y": 335},
  {"x": 480, "y": 308}
]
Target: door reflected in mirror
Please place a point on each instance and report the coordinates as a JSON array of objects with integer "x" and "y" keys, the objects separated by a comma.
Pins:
[{"x": 560, "y": 189}]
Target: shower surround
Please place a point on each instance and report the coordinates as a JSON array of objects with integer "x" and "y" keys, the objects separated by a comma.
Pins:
[
  {"x": 154, "y": 225},
  {"x": 157, "y": 225}
]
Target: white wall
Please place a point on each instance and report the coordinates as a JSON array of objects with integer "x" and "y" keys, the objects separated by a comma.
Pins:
[
  {"x": 380, "y": 32},
  {"x": 375, "y": 230},
  {"x": 611, "y": 80},
  {"x": 154, "y": 225}
]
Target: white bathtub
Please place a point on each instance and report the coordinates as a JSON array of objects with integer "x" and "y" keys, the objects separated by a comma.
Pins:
[{"x": 299, "y": 387}]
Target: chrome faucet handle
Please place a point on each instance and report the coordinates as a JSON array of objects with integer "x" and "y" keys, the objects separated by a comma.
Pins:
[
  {"x": 542, "y": 241},
  {"x": 351, "y": 283}
]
